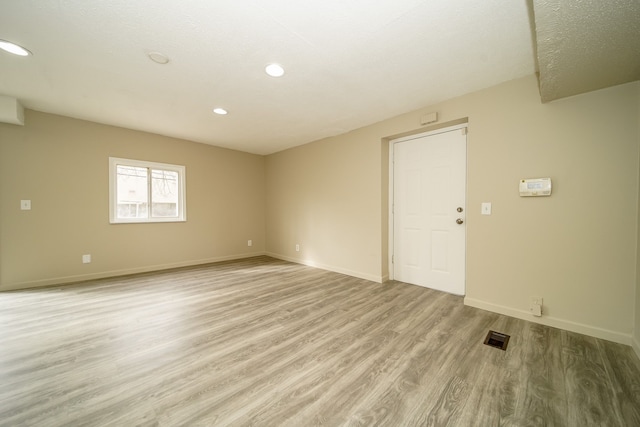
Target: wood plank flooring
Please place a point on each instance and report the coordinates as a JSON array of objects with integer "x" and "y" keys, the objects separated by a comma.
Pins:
[{"x": 263, "y": 342}]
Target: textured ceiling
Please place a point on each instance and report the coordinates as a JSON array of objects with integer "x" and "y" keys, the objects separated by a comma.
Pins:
[
  {"x": 584, "y": 45},
  {"x": 349, "y": 63}
]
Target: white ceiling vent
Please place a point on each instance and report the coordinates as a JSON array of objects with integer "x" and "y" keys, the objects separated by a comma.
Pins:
[{"x": 11, "y": 111}]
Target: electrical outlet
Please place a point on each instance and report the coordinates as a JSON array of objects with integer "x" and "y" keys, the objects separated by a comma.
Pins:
[
  {"x": 249, "y": 243},
  {"x": 297, "y": 247},
  {"x": 536, "y": 306},
  {"x": 86, "y": 259}
]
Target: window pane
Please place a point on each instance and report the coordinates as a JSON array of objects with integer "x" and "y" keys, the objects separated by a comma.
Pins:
[
  {"x": 141, "y": 191},
  {"x": 164, "y": 193},
  {"x": 132, "y": 190}
]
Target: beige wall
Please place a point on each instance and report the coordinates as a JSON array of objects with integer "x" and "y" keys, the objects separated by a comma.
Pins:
[
  {"x": 326, "y": 197},
  {"x": 61, "y": 164},
  {"x": 583, "y": 234},
  {"x": 331, "y": 197}
]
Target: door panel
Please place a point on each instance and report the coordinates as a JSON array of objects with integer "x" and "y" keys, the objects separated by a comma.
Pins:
[{"x": 429, "y": 185}]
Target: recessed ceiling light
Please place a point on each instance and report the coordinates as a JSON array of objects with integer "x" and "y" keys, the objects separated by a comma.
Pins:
[
  {"x": 13, "y": 48},
  {"x": 220, "y": 111},
  {"x": 274, "y": 70},
  {"x": 158, "y": 57}
]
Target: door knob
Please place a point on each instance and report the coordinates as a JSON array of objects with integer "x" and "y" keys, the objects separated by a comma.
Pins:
[{"x": 459, "y": 221}]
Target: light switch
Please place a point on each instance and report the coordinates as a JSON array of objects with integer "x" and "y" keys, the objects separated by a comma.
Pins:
[
  {"x": 25, "y": 205},
  {"x": 486, "y": 208}
]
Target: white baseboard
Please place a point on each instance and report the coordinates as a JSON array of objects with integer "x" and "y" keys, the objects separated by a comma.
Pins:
[
  {"x": 360, "y": 275},
  {"x": 636, "y": 346},
  {"x": 124, "y": 272},
  {"x": 568, "y": 325}
]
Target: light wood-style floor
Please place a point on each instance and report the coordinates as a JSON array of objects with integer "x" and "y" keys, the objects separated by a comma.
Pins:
[{"x": 269, "y": 343}]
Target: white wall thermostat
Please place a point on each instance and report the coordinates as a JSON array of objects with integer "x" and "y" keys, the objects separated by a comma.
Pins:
[{"x": 535, "y": 187}]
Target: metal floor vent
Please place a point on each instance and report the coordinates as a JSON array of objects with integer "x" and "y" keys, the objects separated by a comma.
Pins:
[{"x": 497, "y": 340}]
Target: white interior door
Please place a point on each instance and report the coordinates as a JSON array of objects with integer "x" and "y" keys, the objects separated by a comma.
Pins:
[{"x": 429, "y": 176}]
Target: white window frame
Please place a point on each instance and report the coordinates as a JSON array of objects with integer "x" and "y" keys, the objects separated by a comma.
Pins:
[{"x": 114, "y": 162}]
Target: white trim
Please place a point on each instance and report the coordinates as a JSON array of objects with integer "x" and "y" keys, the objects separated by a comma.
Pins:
[
  {"x": 310, "y": 263},
  {"x": 555, "y": 322},
  {"x": 635, "y": 345},
  {"x": 391, "y": 195},
  {"x": 113, "y": 203},
  {"x": 429, "y": 133},
  {"x": 390, "y": 263},
  {"x": 65, "y": 280}
]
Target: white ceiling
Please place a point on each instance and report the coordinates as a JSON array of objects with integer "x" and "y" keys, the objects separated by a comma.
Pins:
[{"x": 349, "y": 63}]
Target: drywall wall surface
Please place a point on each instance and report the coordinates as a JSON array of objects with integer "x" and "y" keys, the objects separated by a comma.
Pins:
[
  {"x": 576, "y": 249},
  {"x": 61, "y": 165},
  {"x": 325, "y": 197}
]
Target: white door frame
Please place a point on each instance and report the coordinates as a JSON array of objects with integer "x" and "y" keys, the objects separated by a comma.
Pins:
[{"x": 391, "y": 186}]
